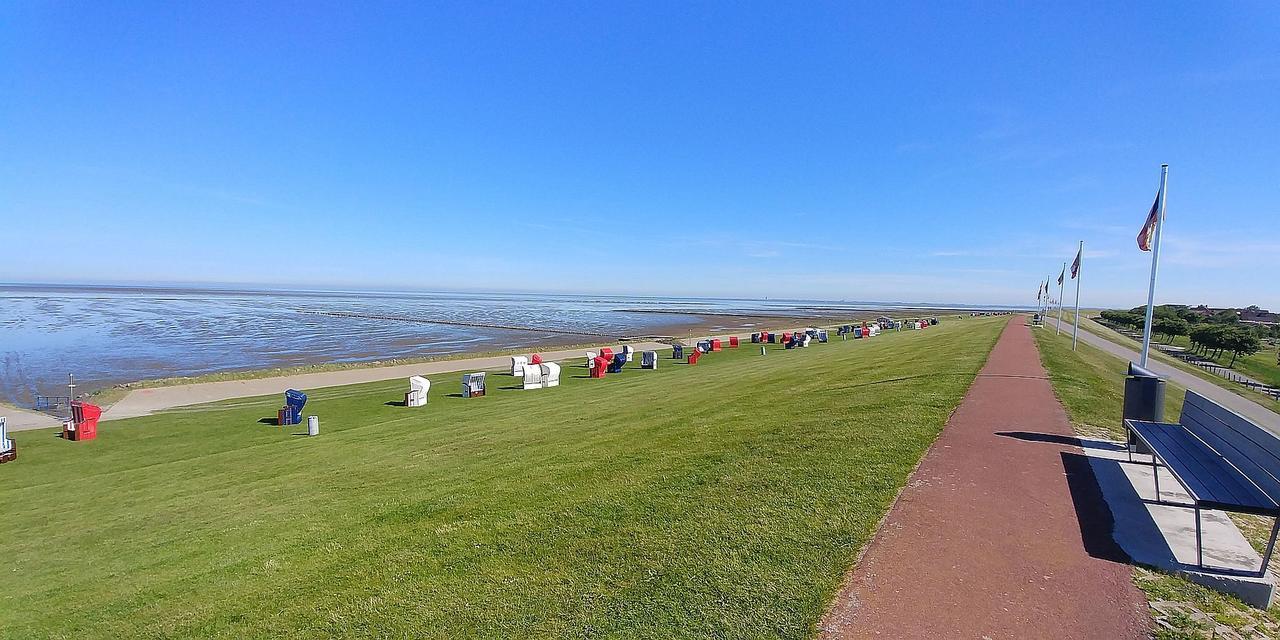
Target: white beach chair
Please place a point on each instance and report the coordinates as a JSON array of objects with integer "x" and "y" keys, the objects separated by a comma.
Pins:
[
  {"x": 419, "y": 387},
  {"x": 532, "y": 375},
  {"x": 517, "y": 365},
  {"x": 550, "y": 374},
  {"x": 5, "y": 443},
  {"x": 473, "y": 385},
  {"x": 629, "y": 351},
  {"x": 649, "y": 360},
  {"x": 591, "y": 358}
]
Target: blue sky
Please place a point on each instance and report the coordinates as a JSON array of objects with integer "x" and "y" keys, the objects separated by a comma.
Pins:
[{"x": 950, "y": 152}]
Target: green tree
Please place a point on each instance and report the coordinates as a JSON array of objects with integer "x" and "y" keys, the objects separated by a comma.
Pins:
[
  {"x": 1170, "y": 327},
  {"x": 1226, "y": 316},
  {"x": 1209, "y": 339},
  {"x": 1240, "y": 342}
]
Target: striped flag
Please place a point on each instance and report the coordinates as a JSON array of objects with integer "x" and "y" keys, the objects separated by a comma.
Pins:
[
  {"x": 1075, "y": 266},
  {"x": 1149, "y": 227}
]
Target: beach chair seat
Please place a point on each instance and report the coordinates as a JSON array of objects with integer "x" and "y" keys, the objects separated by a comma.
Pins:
[
  {"x": 599, "y": 367},
  {"x": 291, "y": 412},
  {"x": 473, "y": 385},
  {"x": 532, "y": 377},
  {"x": 649, "y": 360},
  {"x": 616, "y": 365},
  {"x": 550, "y": 374},
  {"x": 419, "y": 387}
]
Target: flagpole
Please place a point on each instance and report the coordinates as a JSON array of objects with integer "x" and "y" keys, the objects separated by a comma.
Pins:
[
  {"x": 1062, "y": 285},
  {"x": 1075, "y": 331},
  {"x": 1155, "y": 265}
]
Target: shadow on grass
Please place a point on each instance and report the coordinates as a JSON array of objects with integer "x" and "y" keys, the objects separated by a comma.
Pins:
[
  {"x": 395, "y": 403},
  {"x": 275, "y": 422}
]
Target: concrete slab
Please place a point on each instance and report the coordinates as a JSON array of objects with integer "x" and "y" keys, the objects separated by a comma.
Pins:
[
  {"x": 1164, "y": 535},
  {"x": 22, "y": 419}
]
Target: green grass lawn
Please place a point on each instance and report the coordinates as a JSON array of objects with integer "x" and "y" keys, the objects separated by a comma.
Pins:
[
  {"x": 1260, "y": 366},
  {"x": 1090, "y": 384},
  {"x": 1113, "y": 336},
  {"x": 725, "y": 500}
]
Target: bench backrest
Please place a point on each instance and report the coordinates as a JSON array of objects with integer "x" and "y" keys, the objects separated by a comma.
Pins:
[{"x": 1252, "y": 449}]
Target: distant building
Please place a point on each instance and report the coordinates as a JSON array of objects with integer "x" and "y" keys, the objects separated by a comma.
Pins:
[
  {"x": 1259, "y": 316},
  {"x": 1253, "y": 315}
]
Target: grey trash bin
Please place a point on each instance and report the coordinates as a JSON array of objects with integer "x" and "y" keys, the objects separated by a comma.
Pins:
[{"x": 1143, "y": 399}]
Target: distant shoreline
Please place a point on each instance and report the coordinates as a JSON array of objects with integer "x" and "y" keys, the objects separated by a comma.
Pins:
[{"x": 709, "y": 323}]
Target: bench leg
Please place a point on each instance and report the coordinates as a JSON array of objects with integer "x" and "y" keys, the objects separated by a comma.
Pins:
[
  {"x": 1155, "y": 473},
  {"x": 1199, "y": 550},
  {"x": 1271, "y": 545}
]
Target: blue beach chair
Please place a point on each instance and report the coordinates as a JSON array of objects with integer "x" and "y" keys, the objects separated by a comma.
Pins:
[
  {"x": 619, "y": 359},
  {"x": 294, "y": 400}
]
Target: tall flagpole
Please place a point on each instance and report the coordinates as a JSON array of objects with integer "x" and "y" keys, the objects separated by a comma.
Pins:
[
  {"x": 1075, "y": 331},
  {"x": 1155, "y": 265},
  {"x": 1062, "y": 285}
]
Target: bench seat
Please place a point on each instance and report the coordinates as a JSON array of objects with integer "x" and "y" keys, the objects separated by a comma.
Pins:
[{"x": 1210, "y": 479}]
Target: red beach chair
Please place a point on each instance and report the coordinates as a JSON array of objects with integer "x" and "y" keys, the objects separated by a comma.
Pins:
[
  {"x": 599, "y": 367},
  {"x": 84, "y": 421}
]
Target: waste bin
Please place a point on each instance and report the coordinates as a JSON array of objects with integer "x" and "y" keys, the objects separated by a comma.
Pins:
[{"x": 1143, "y": 400}]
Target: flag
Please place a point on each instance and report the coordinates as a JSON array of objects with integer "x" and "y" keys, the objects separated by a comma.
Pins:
[
  {"x": 1149, "y": 227},
  {"x": 1062, "y": 276},
  {"x": 1075, "y": 266}
]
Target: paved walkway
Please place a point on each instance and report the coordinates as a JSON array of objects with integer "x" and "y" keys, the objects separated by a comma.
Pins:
[
  {"x": 22, "y": 419},
  {"x": 1255, "y": 412},
  {"x": 985, "y": 541}
]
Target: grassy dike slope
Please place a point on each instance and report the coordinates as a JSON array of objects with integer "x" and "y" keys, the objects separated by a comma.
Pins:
[
  {"x": 720, "y": 500},
  {"x": 1090, "y": 384}
]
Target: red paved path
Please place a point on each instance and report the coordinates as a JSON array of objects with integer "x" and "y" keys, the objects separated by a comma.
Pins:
[{"x": 985, "y": 541}]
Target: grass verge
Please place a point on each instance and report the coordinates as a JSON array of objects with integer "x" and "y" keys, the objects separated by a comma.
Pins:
[
  {"x": 720, "y": 500},
  {"x": 1112, "y": 336},
  {"x": 1090, "y": 384}
]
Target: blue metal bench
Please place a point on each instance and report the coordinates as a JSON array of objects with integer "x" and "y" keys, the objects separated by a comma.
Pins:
[{"x": 1222, "y": 460}]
